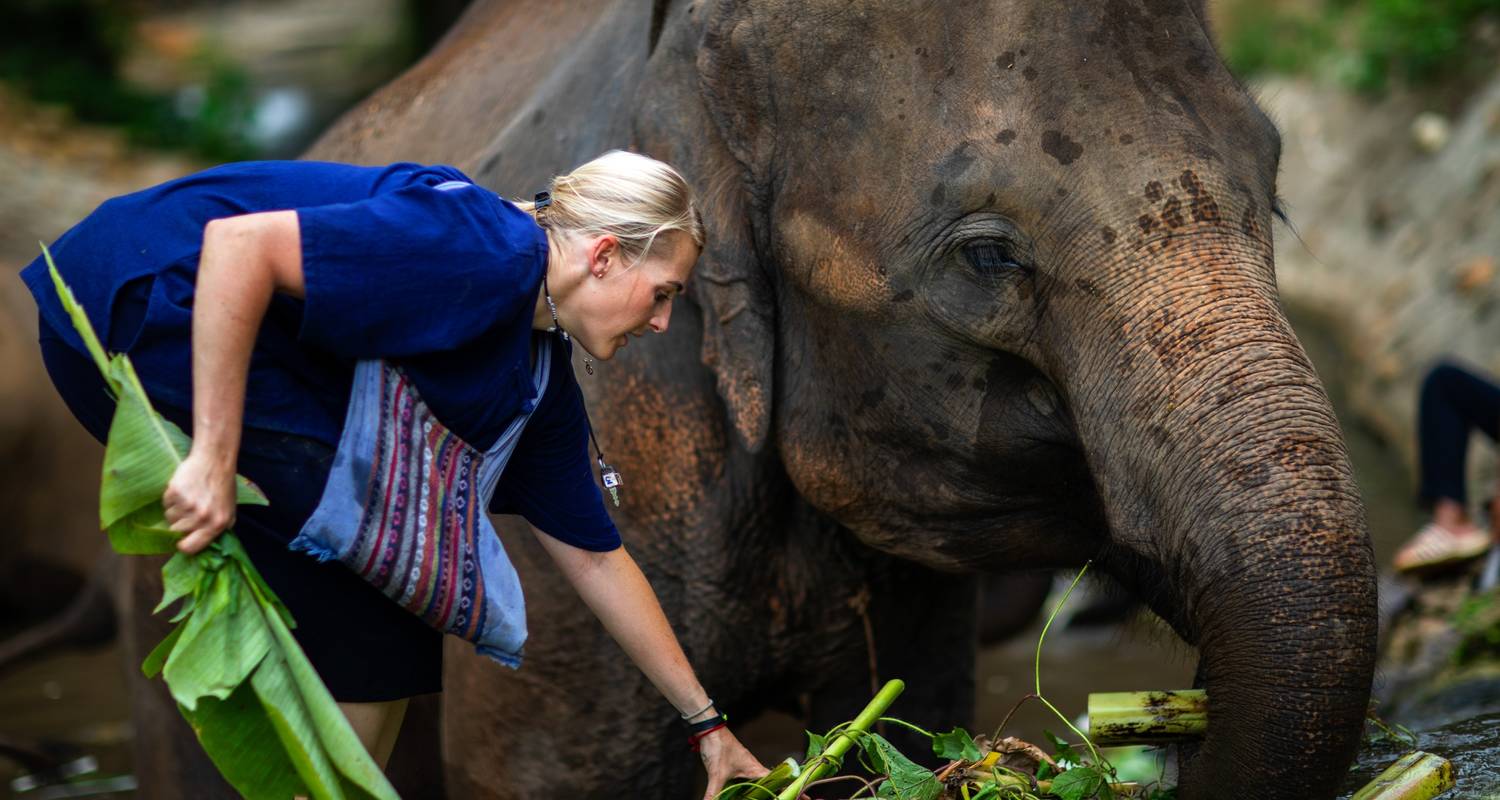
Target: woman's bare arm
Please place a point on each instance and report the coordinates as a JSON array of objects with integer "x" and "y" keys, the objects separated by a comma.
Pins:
[
  {"x": 244, "y": 260},
  {"x": 612, "y": 585}
]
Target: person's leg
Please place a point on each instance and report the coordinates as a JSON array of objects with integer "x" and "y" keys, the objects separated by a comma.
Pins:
[
  {"x": 378, "y": 725},
  {"x": 1454, "y": 401}
]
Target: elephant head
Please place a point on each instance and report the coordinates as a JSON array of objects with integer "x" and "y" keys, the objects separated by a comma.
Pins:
[{"x": 994, "y": 283}]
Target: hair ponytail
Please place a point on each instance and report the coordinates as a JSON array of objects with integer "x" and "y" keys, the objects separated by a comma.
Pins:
[{"x": 632, "y": 197}]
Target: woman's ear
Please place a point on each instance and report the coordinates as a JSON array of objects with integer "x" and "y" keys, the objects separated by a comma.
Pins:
[{"x": 604, "y": 253}]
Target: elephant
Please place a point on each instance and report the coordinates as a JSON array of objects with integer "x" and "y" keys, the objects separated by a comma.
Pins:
[{"x": 987, "y": 286}]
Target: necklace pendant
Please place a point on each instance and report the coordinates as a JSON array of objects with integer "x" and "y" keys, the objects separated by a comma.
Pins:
[{"x": 588, "y": 365}]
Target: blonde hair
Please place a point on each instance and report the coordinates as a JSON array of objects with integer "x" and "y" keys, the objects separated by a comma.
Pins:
[{"x": 627, "y": 195}]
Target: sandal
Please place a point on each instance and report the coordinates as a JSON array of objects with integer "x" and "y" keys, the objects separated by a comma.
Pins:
[{"x": 1436, "y": 546}]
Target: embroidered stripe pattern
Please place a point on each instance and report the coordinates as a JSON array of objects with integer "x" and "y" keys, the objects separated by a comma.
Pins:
[{"x": 417, "y": 541}]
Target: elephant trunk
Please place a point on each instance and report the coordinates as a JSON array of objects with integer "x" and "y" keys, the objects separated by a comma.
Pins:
[{"x": 1232, "y": 506}]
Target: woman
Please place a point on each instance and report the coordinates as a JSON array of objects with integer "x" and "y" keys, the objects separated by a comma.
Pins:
[{"x": 252, "y": 297}]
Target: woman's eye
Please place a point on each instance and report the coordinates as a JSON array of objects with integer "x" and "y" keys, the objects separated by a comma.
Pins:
[{"x": 990, "y": 255}]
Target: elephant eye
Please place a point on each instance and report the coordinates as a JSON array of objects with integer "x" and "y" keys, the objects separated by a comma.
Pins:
[{"x": 990, "y": 256}]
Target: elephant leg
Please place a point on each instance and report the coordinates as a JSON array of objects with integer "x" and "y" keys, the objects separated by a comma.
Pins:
[
  {"x": 169, "y": 763},
  {"x": 922, "y": 623},
  {"x": 1009, "y": 602},
  {"x": 87, "y": 621}
]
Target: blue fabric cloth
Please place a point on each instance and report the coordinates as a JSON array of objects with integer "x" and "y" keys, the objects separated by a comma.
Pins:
[
  {"x": 404, "y": 508},
  {"x": 440, "y": 281}
]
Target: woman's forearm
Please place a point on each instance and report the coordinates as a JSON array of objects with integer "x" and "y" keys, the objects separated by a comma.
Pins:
[
  {"x": 238, "y": 271},
  {"x": 612, "y": 585}
]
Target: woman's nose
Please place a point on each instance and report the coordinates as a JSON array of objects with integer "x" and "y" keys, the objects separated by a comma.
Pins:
[{"x": 660, "y": 321}]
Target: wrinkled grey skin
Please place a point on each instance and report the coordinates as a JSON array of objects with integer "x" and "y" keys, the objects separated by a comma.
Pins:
[{"x": 850, "y": 413}]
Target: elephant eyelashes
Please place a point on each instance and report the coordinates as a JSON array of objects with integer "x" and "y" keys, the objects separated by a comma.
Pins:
[{"x": 990, "y": 256}]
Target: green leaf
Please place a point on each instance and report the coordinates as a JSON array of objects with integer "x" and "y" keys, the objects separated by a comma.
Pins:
[
  {"x": 956, "y": 745},
  {"x": 282, "y": 701},
  {"x": 75, "y": 311},
  {"x": 220, "y": 646},
  {"x": 908, "y": 780},
  {"x": 815, "y": 745},
  {"x": 1062, "y": 749},
  {"x": 1078, "y": 783},
  {"x": 343, "y": 746},
  {"x": 766, "y": 788},
  {"x": 180, "y": 577},
  {"x": 233, "y": 549},
  {"x": 240, "y": 739},
  {"x": 158, "y": 655},
  {"x": 143, "y": 533}
]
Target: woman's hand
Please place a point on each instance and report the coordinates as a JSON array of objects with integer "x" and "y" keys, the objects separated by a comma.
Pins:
[
  {"x": 199, "y": 500},
  {"x": 725, "y": 758}
]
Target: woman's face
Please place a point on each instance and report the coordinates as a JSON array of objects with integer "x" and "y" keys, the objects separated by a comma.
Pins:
[{"x": 617, "y": 301}]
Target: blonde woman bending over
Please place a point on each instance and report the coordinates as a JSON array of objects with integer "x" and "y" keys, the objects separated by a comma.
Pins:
[{"x": 385, "y": 352}]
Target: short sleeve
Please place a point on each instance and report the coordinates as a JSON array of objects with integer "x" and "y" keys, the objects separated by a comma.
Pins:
[
  {"x": 414, "y": 270},
  {"x": 549, "y": 480}
]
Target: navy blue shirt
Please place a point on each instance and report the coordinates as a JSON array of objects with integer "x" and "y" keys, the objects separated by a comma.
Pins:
[{"x": 409, "y": 263}]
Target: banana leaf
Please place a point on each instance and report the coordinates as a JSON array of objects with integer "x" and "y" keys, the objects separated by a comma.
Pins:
[{"x": 239, "y": 678}]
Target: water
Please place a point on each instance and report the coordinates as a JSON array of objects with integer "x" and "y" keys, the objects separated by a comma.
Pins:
[{"x": 1473, "y": 745}]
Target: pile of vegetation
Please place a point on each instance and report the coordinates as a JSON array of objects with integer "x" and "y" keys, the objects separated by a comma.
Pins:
[
  {"x": 1368, "y": 44},
  {"x": 996, "y": 768}
]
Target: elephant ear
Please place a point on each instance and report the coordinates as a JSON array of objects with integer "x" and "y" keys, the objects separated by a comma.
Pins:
[{"x": 703, "y": 114}]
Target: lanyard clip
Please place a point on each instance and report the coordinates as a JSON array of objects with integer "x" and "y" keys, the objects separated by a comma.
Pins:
[{"x": 611, "y": 480}]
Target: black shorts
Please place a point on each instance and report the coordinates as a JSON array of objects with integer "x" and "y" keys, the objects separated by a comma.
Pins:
[{"x": 364, "y": 646}]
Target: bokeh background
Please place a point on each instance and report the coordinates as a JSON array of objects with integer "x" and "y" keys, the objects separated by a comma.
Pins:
[{"x": 1390, "y": 112}]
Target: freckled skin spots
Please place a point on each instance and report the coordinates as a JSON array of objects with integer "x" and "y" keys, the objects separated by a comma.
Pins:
[
  {"x": 1109, "y": 234},
  {"x": 1171, "y": 213},
  {"x": 1126, "y": 138},
  {"x": 1147, "y": 223},
  {"x": 1006, "y": 60},
  {"x": 957, "y": 162},
  {"x": 1248, "y": 224},
  {"x": 1153, "y": 191},
  {"x": 1060, "y": 147},
  {"x": 1205, "y": 209},
  {"x": 1029, "y": 73},
  {"x": 1006, "y": 136}
]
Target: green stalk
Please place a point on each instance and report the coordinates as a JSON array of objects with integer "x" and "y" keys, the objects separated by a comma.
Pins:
[
  {"x": 1037, "y": 666},
  {"x": 1120, "y": 718},
  {"x": 829, "y": 760},
  {"x": 1415, "y": 776}
]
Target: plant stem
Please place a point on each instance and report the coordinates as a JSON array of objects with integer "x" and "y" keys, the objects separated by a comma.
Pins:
[
  {"x": 1415, "y": 776},
  {"x": 1037, "y": 665},
  {"x": 1120, "y": 718},
  {"x": 831, "y": 757}
]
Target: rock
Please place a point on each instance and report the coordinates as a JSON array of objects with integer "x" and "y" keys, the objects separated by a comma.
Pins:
[
  {"x": 1475, "y": 274},
  {"x": 1430, "y": 131}
]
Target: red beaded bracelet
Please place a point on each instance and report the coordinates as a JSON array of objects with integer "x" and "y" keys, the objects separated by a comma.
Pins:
[{"x": 698, "y": 736}]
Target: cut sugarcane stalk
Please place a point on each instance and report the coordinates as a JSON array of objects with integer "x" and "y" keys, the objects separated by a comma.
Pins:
[
  {"x": 1120, "y": 718},
  {"x": 1414, "y": 776},
  {"x": 840, "y": 743}
]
